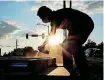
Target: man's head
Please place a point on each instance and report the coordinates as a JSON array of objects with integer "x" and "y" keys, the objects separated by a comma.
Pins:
[{"x": 44, "y": 13}]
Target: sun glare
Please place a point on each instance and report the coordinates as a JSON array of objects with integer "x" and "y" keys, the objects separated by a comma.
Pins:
[{"x": 54, "y": 40}]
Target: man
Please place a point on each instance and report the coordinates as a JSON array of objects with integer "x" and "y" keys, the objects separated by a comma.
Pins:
[{"x": 79, "y": 26}]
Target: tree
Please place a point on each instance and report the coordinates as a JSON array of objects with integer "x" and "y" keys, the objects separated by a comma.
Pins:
[
  {"x": 5, "y": 54},
  {"x": 100, "y": 46},
  {"x": 90, "y": 44},
  {"x": 100, "y": 52}
]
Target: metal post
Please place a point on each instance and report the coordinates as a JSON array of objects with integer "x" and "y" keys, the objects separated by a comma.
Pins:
[
  {"x": 64, "y": 5},
  {"x": 64, "y": 31},
  {"x": 70, "y": 4}
]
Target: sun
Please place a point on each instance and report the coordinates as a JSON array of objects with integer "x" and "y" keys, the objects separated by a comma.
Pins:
[{"x": 54, "y": 40}]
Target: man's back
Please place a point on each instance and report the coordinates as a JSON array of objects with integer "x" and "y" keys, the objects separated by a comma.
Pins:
[
  {"x": 82, "y": 24},
  {"x": 70, "y": 14}
]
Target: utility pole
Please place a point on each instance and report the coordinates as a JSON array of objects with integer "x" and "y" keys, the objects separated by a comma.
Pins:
[
  {"x": 48, "y": 30},
  {"x": 16, "y": 43},
  {"x": 0, "y": 51}
]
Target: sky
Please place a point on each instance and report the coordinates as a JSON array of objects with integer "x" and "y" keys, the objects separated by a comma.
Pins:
[{"x": 20, "y": 17}]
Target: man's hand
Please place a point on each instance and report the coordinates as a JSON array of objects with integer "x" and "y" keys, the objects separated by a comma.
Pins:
[{"x": 41, "y": 48}]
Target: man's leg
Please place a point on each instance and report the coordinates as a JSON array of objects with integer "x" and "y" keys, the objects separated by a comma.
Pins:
[
  {"x": 81, "y": 65},
  {"x": 67, "y": 59},
  {"x": 73, "y": 48}
]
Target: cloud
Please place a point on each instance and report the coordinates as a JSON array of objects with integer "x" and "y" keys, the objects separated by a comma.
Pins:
[
  {"x": 35, "y": 8},
  {"x": 54, "y": 5},
  {"x": 11, "y": 22},
  {"x": 22, "y": 0},
  {"x": 7, "y": 28},
  {"x": 95, "y": 6},
  {"x": 85, "y": 6}
]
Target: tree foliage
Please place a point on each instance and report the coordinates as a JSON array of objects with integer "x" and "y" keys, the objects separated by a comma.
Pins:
[{"x": 95, "y": 50}]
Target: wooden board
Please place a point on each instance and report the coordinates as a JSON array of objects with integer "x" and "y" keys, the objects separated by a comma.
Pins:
[
  {"x": 26, "y": 64},
  {"x": 56, "y": 71}
]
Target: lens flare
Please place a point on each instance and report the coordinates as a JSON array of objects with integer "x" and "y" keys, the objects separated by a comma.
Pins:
[{"x": 54, "y": 40}]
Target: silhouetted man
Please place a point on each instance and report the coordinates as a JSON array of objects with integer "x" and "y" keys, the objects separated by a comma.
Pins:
[{"x": 79, "y": 26}]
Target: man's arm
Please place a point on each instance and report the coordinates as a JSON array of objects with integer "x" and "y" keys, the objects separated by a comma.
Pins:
[{"x": 53, "y": 29}]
